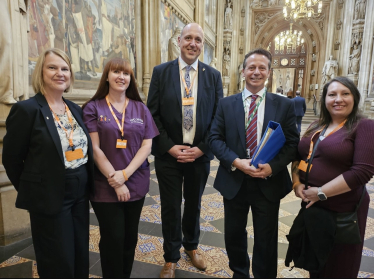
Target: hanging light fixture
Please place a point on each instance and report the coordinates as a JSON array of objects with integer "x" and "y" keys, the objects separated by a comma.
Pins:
[
  {"x": 296, "y": 9},
  {"x": 289, "y": 38}
]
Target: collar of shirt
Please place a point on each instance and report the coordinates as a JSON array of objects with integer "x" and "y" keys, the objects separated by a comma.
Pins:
[
  {"x": 184, "y": 64},
  {"x": 248, "y": 93}
]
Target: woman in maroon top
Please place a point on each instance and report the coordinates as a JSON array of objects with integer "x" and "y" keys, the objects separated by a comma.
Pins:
[
  {"x": 121, "y": 128},
  {"x": 343, "y": 163}
]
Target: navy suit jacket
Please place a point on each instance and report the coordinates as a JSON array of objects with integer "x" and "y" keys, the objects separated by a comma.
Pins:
[
  {"x": 300, "y": 106},
  {"x": 32, "y": 155},
  {"x": 165, "y": 104},
  {"x": 227, "y": 141}
]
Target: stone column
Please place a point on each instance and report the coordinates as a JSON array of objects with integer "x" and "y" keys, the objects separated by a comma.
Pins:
[
  {"x": 236, "y": 11},
  {"x": 145, "y": 41},
  {"x": 347, "y": 19},
  {"x": 138, "y": 41},
  {"x": 331, "y": 27},
  {"x": 200, "y": 19},
  {"x": 364, "y": 81},
  {"x": 219, "y": 41}
]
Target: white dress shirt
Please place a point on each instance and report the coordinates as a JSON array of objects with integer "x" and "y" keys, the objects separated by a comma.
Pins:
[{"x": 189, "y": 136}]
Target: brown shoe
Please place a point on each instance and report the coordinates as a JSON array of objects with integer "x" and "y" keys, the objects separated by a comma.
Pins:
[
  {"x": 168, "y": 271},
  {"x": 197, "y": 259}
]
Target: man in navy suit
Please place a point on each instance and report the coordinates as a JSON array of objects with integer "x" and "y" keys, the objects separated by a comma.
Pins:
[
  {"x": 240, "y": 120},
  {"x": 183, "y": 98},
  {"x": 300, "y": 108}
]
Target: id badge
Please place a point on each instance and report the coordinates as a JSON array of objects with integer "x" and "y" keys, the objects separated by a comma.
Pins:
[
  {"x": 303, "y": 166},
  {"x": 71, "y": 155},
  {"x": 248, "y": 153},
  {"x": 188, "y": 101},
  {"x": 121, "y": 143}
]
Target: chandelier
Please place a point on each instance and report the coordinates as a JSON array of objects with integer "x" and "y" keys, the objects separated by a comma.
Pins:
[
  {"x": 288, "y": 38},
  {"x": 295, "y": 9}
]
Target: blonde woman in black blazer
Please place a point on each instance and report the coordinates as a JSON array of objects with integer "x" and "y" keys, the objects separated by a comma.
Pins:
[{"x": 51, "y": 167}]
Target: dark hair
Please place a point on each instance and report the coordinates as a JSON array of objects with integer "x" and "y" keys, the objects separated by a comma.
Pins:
[
  {"x": 116, "y": 64},
  {"x": 260, "y": 51},
  {"x": 325, "y": 117}
]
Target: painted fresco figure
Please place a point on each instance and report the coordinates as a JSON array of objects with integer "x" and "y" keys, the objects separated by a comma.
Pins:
[
  {"x": 59, "y": 29},
  {"x": 13, "y": 45}
]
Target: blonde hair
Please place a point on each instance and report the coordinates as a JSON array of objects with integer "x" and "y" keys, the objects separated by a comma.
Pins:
[{"x": 37, "y": 76}]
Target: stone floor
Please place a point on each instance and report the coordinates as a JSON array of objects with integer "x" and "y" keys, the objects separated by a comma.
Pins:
[{"x": 18, "y": 260}]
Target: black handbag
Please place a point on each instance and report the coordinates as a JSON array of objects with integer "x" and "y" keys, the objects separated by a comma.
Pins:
[{"x": 347, "y": 230}]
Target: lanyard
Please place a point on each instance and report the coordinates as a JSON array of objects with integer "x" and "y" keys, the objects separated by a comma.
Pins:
[
  {"x": 188, "y": 90},
  {"x": 254, "y": 111},
  {"x": 68, "y": 136},
  {"x": 115, "y": 117},
  {"x": 333, "y": 131}
]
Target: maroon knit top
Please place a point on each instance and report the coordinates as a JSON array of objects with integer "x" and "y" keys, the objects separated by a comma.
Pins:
[{"x": 352, "y": 156}]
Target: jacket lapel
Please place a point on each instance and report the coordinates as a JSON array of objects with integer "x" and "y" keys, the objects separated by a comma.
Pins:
[
  {"x": 238, "y": 110},
  {"x": 50, "y": 123},
  {"x": 175, "y": 77},
  {"x": 270, "y": 110},
  {"x": 200, "y": 87}
]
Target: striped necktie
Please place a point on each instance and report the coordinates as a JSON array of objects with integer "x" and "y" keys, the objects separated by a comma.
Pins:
[
  {"x": 251, "y": 133},
  {"x": 188, "y": 110}
]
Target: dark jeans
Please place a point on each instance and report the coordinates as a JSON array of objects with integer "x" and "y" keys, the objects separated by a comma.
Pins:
[
  {"x": 118, "y": 223},
  {"x": 265, "y": 226},
  {"x": 174, "y": 180},
  {"x": 61, "y": 241}
]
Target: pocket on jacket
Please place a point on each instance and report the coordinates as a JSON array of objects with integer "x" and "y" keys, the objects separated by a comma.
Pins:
[{"x": 31, "y": 177}]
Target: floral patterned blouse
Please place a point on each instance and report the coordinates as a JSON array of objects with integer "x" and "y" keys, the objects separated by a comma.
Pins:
[{"x": 79, "y": 140}]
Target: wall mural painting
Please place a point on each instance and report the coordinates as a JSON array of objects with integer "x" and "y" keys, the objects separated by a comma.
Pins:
[
  {"x": 210, "y": 13},
  {"x": 91, "y": 32},
  {"x": 169, "y": 21},
  {"x": 208, "y": 53}
]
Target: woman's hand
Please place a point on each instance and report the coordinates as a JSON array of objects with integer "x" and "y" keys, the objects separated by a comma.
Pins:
[
  {"x": 123, "y": 193},
  {"x": 116, "y": 179},
  {"x": 298, "y": 189},
  {"x": 311, "y": 196}
]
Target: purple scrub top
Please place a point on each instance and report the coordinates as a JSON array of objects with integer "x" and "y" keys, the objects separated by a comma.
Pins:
[{"x": 139, "y": 125}]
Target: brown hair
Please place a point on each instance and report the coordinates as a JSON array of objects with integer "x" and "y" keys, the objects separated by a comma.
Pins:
[
  {"x": 37, "y": 80},
  {"x": 116, "y": 64},
  {"x": 325, "y": 117},
  {"x": 260, "y": 51}
]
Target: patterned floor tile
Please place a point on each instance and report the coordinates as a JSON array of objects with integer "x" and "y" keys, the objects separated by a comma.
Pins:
[
  {"x": 367, "y": 252},
  {"x": 365, "y": 275},
  {"x": 369, "y": 232},
  {"x": 13, "y": 261},
  {"x": 207, "y": 227},
  {"x": 290, "y": 198},
  {"x": 212, "y": 207}
]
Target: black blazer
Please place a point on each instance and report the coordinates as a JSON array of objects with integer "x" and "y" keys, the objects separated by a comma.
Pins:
[
  {"x": 165, "y": 104},
  {"x": 300, "y": 106},
  {"x": 227, "y": 141},
  {"x": 32, "y": 155}
]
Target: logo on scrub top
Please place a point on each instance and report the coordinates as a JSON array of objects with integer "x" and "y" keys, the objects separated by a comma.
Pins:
[{"x": 136, "y": 121}]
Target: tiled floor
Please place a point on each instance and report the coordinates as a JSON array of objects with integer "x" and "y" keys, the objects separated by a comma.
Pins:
[{"x": 148, "y": 257}]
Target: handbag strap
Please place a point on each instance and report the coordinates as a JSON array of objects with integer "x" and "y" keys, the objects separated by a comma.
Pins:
[
  {"x": 310, "y": 163},
  {"x": 362, "y": 197},
  {"x": 312, "y": 156}
]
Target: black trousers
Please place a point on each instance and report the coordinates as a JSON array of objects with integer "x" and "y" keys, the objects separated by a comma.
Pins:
[
  {"x": 118, "y": 223},
  {"x": 61, "y": 241},
  {"x": 177, "y": 179},
  {"x": 265, "y": 226}
]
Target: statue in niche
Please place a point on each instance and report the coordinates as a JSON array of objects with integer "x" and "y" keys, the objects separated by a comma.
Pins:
[
  {"x": 226, "y": 63},
  {"x": 336, "y": 45},
  {"x": 314, "y": 57},
  {"x": 288, "y": 83},
  {"x": 354, "y": 60},
  {"x": 339, "y": 25},
  {"x": 228, "y": 16},
  {"x": 173, "y": 48},
  {"x": 14, "y": 51},
  {"x": 272, "y": 2},
  {"x": 313, "y": 73},
  {"x": 314, "y": 44},
  {"x": 213, "y": 63},
  {"x": 329, "y": 70},
  {"x": 360, "y": 8}
]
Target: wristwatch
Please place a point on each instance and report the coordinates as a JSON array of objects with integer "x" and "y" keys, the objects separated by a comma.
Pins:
[{"x": 321, "y": 195}]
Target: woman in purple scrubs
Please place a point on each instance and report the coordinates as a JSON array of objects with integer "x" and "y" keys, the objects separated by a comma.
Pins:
[{"x": 121, "y": 128}]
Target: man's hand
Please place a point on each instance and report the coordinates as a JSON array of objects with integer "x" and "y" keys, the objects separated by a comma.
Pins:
[
  {"x": 244, "y": 165},
  {"x": 190, "y": 155},
  {"x": 177, "y": 150},
  {"x": 263, "y": 171}
]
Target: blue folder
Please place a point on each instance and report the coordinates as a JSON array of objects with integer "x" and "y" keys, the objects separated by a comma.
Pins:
[{"x": 266, "y": 151}]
